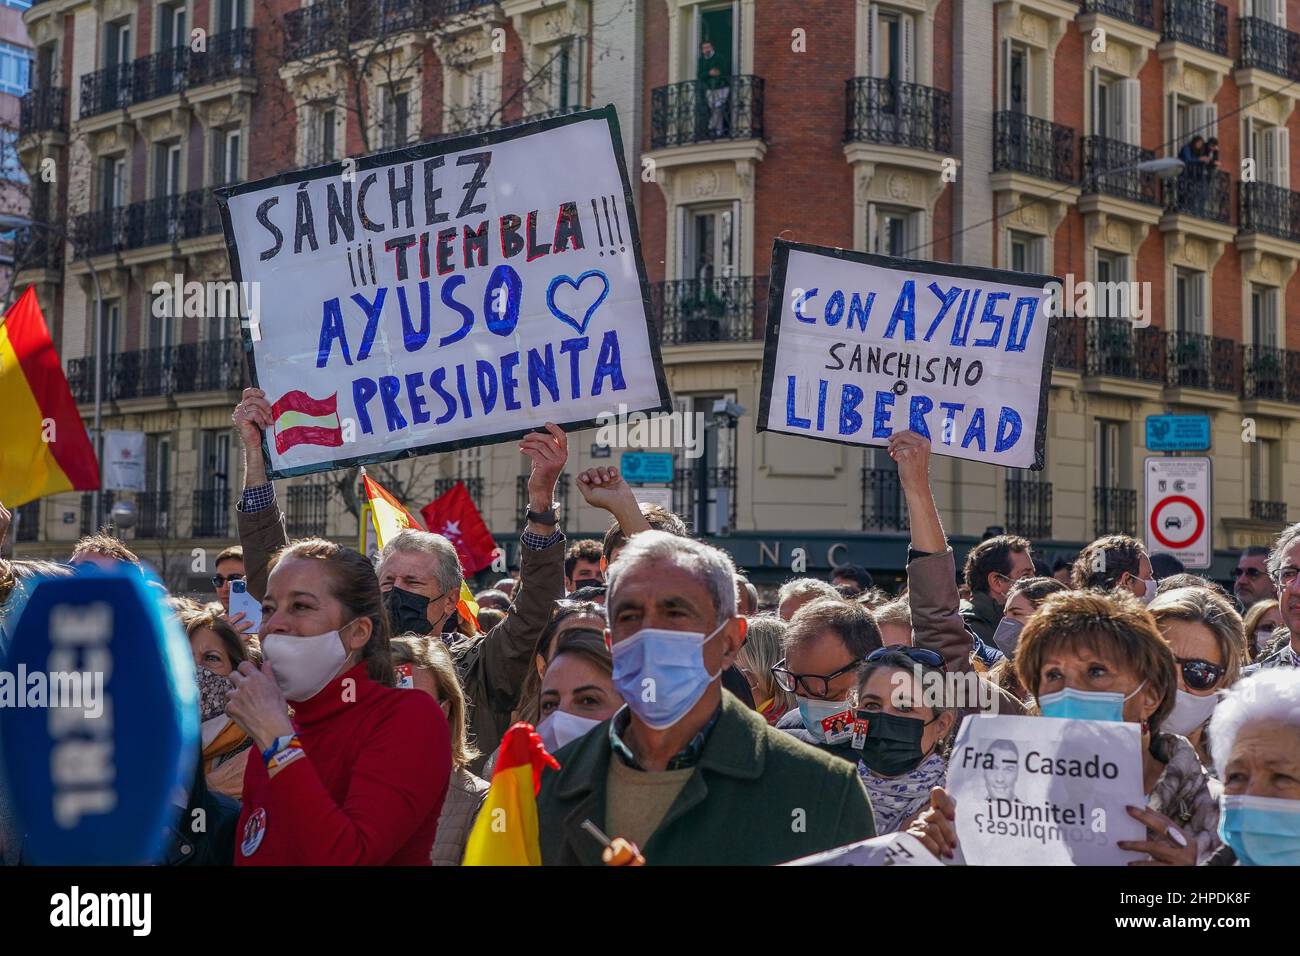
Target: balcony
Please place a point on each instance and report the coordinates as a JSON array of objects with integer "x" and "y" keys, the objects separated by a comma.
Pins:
[
  {"x": 229, "y": 56},
  {"x": 211, "y": 513},
  {"x": 43, "y": 111},
  {"x": 153, "y": 511},
  {"x": 473, "y": 485},
  {"x": 1272, "y": 210},
  {"x": 725, "y": 108},
  {"x": 894, "y": 113},
  {"x": 1114, "y": 511},
  {"x": 28, "y": 520},
  {"x": 1101, "y": 154},
  {"x": 1069, "y": 356},
  {"x": 1136, "y": 12},
  {"x": 1200, "y": 361},
  {"x": 308, "y": 510},
  {"x": 1200, "y": 23},
  {"x": 88, "y": 523},
  {"x": 1114, "y": 348},
  {"x": 1268, "y": 47},
  {"x": 882, "y": 501},
  {"x": 561, "y": 494},
  {"x": 214, "y": 365},
  {"x": 552, "y": 113},
  {"x": 1038, "y": 147},
  {"x": 330, "y": 27},
  {"x": 1204, "y": 194},
  {"x": 1274, "y": 511},
  {"x": 36, "y": 248},
  {"x": 165, "y": 220},
  {"x": 1029, "y": 508},
  {"x": 1269, "y": 373},
  {"x": 384, "y": 18},
  {"x": 719, "y": 501},
  {"x": 730, "y": 309},
  {"x": 108, "y": 89}
]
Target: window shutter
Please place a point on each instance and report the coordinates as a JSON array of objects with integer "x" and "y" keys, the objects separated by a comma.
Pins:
[
  {"x": 1118, "y": 101},
  {"x": 907, "y": 53},
  {"x": 1198, "y": 304},
  {"x": 1282, "y": 157},
  {"x": 1131, "y": 95},
  {"x": 1279, "y": 12},
  {"x": 1097, "y": 94},
  {"x": 1006, "y": 73},
  {"x": 873, "y": 40},
  {"x": 871, "y": 228}
]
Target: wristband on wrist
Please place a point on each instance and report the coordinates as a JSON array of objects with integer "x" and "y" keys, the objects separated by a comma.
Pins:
[{"x": 279, "y": 750}]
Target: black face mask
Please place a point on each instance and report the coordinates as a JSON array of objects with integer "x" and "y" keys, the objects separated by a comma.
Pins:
[
  {"x": 893, "y": 743},
  {"x": 407, "y": 612}
]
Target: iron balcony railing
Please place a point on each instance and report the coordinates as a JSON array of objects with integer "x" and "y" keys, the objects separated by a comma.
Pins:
[
  {"x": 309, "y": 31},
  {"x": 163, "y": 220},
  {"x": 1272, "y": 210},
  {"x": 1029, "y": 508},
  {"x": 28, "y": 518},
  {"x": 1274, "y": 511},
  {"x": 1070, "y": 332},
  {"x": 229, "y": 55},
  {"x": 88, "y": 523},
  {"x": 1114, "y": 511},
  {"x": 44, "y": 110},
  {"x": 1202, "y": 23},
  {"x": 561, "y": 494},
  {"x": 1101, "y": 154},
  {"x": 719, "y": 500},
  {"x": 701, "y": 111},
  {"x": 881, "y": 110},
  {"x": 168, "y": 72},
  {"x": 449, "y": 8},
  {"x": 549, "y": 114},
  {"x": 1193, "y": 360},
  {"x": 331, "y": 26},
  {"x": 1269, "y": 47},
  {"x": 1038, "y": 147},
  {"x": 1137, "y": 12},
  {"x": 214, "y": 365},
  {"x": 374, "y": 19},
  {"x": 1114, "y": 348},
  {"x": 307, "y": 514},
  {"x": 883, "y": 508},
  {"x": 152, "y": 514},
  {"x": 36, "y": 248},
  {"x": 211, "y": 515},
  {"x": 1265, "y": 373},
  {"x": 728, "y": 309},
  {"x": 108, "y": 89},
  {"x": 1201, "y": 192}
]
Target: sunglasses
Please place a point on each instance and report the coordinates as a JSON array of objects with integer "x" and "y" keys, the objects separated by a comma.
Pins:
[
  {"x": 920, "y": 655},
  {"x": 1199, "y": 674},
  {"x": 219, "y": 579}
]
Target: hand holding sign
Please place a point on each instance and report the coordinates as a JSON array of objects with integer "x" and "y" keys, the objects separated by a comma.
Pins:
[
  {"x": 1167, "y": 844},
  {"x": 911, "y": 452},
  {"x": 251, "y": 416}
]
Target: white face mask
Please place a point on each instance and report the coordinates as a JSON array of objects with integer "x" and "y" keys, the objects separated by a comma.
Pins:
[
  {"x": 1189, "y": 713},
  {"x": 304, "y": 665},
  {"x": 1150, "y": 594},
  {"x": 559, "y": 727}
]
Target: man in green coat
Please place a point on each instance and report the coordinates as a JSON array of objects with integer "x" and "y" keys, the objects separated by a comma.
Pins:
[{"x": 685, "y": 771}]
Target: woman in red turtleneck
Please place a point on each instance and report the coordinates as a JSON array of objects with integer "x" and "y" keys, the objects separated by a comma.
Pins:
[{"x": 358, "y": 776}]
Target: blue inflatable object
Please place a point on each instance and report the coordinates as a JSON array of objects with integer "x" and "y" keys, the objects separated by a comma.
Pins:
[{"x": 99, "y": 718}]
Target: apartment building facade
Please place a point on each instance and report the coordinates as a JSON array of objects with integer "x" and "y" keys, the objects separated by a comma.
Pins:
[
  {"x": 15, "y": 81},
  {"x": 989, "y": 132}
]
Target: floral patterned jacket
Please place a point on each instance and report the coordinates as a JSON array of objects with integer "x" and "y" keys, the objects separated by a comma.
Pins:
[{"x": 1186, "y": 793}]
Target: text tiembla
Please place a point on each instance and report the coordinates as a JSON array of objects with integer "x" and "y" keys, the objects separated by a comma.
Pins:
[{"x": 74, "y": 909}]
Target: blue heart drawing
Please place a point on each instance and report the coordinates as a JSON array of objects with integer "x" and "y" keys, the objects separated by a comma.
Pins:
[{"x": 563, "y": 316}]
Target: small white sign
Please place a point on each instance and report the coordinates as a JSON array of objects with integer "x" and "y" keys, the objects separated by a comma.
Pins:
[
  {"x": 1178, "y": 498},
  {"x": 893, "y": 849},
  {"x": 655, "y": 495},
  {"x": 123, "y": 461}
]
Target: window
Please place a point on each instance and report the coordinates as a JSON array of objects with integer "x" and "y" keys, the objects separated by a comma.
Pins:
[
  {"x": 892, "y": 231},
  {"x": 1190, "y": 119},
  {"x": 479, "y": 95},
  {"x": 171, "y": 26},
  {"x": 158, "y": 463},
  {"x": 560, "y": 76},
  {"x": 230, "y": 15},
  {"x": 112, "y": 182},
  {"x": 110, "y": 330},
  {"x": 1015, "y": 78},
  {"x": 18, "y": 4},
  {"x": 1116, "y": 108},
  {"x": 1263, "y": 465},
  {"x": 709, "y": 246},
  {"x": 320, "y": 121},
  {"x": 11, "y": 170},
  {"x": 1111, "y": 267},
  {"x": 214, "y": 460},
  {"x": 117, "y": 43},
  {"x": 47, "y": 66},
  {"x": 1189, "y": 301},
  {"x": 166, "y": 169},
  {"x": 716, "y": 40},
  {"x": 15, "y": 69},
  {"x": 159, "y": 321},
  {"x": 1270, "y": 148},
  {"x": 1026, "y": 252},
  {"x": 1263, "y": 316},
  {"x": 891, "y": 36},
  {"x": 1274, "y": 11},
  {"x": 395, "y": 116},
  {"x": 227, "y": 146},
  {"x": 1109, "y": 446}
]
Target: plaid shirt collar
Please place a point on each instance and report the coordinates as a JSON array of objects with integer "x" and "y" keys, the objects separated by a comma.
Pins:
[{"x": 688, "y": 756}]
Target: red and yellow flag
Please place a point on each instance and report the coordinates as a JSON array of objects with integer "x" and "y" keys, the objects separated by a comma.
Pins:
[
  {"x": 44, "y": 448},
  {"x": 505, "y": 832}
]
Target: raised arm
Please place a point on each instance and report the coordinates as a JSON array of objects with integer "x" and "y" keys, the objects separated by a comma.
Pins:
[
  {"x": 606, "y": 489},
  {"x": 261, "y": 523}
]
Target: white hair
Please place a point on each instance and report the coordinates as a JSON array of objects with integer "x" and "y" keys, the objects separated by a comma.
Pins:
[
  {"x": 444, "y": 562},
  {"x": 714, "y": 567},
  {"x": 807, "y": 587},
  {"x": 1281, "y": 545},
  {"x": 1271, "y": 694}
]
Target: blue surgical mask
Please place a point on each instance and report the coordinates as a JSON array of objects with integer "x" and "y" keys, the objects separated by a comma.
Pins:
[
  {"x": 813, "y": 711},
  {"x": 1262, "y": 831},
  {"x": 1072, "y": 704},
  {"x": 661, "y": 673}
]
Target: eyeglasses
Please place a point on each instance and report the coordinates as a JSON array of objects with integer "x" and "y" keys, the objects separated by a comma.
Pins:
[
  {"x": 813, "y": 685},
  {"x": 920, "y": 655},
  {"x": 1251, "y": 573},
  {"x": 1199, "y": 674},
  {"x": 219, "y": 579},
  {"x": 1285, "y": 576}
]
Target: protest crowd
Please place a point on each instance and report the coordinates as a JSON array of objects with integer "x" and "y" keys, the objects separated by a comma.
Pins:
[{"x": 681, "y": 719}]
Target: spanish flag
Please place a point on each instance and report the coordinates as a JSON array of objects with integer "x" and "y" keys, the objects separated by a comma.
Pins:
[
  {"x": 44, "y": 448},
  {"x": 505, "y": 832},
  {"x": 389, "y": 517}
]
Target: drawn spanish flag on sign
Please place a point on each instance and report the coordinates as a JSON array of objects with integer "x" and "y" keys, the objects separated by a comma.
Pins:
[
  {"x": 44, "y": 448},
  {"x": 303, "y": 420}
]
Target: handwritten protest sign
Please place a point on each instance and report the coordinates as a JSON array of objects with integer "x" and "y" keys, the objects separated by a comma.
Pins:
[
  {"x": 861, "y": 346},
  {"x": 445, "y": 295},
  {"x": 893, "y": 849},
  {"x": 1042, "y": 791}
]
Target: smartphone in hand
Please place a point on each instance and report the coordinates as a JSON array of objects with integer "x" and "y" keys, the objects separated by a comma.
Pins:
[{"x": 241, "y": 602}]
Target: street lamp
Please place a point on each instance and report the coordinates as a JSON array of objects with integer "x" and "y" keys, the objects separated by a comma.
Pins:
[
  {"x": 9, "y": 221},
  {"x": 1164, "y": 167}
]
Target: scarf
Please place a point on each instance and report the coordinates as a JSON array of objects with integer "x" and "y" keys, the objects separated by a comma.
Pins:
[{"x": 894, "y": 799}]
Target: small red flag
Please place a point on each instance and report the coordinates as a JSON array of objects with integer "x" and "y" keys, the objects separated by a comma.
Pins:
[{"x": 454, "y": 516}]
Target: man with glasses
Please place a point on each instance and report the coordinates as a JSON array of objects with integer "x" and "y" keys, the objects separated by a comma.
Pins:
[
  {"x": 991, "y": 568},
  {"x": 1251, "y": 582},
  {"x": 1284, "y": 569},
  {"x": 230, "y": 567},
  {"x": 826, "y": 642}
]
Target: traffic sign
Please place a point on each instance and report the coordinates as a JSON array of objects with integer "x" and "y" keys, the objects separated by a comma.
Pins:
[
  {"x": 645, "y": 467},
  {"x": 1178, "y": 433},
  {"x": 1178, "y": 496}
]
